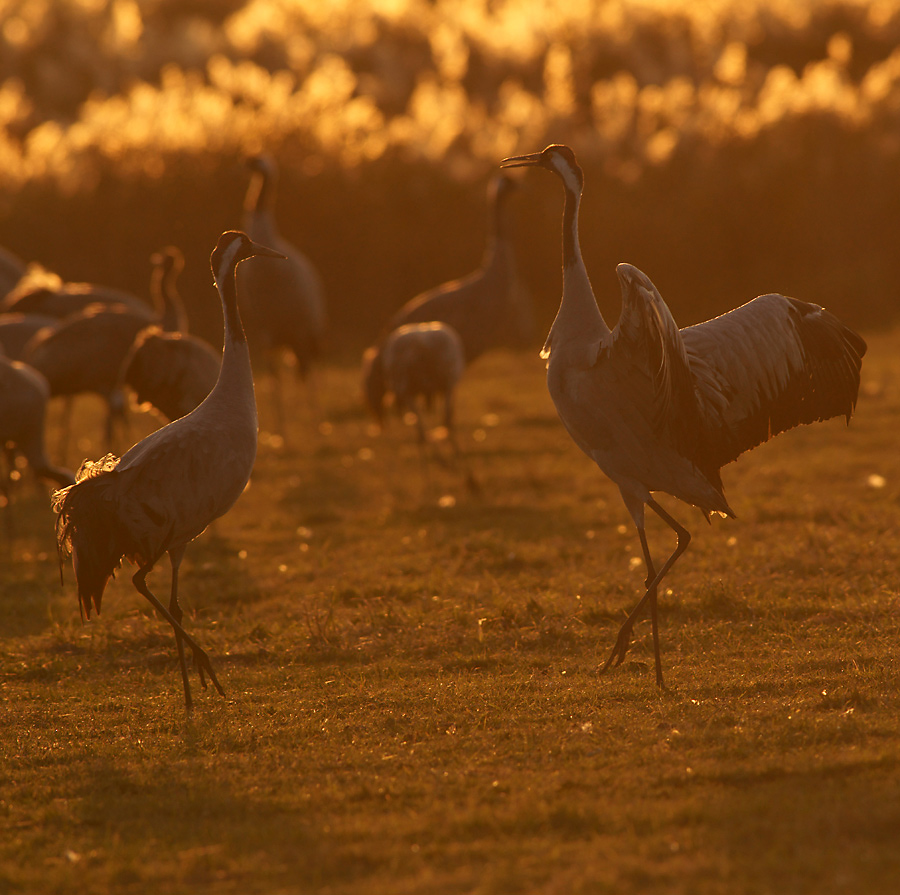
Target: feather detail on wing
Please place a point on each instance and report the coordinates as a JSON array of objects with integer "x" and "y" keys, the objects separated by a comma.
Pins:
[
  {"x": 646, "y": 327},
  {"x": 768, "y": 366}
]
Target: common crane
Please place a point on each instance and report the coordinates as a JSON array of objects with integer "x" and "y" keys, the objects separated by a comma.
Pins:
[
  {"x": 487, "y": 308},
  {"x": 417, "y": 363},
  {"x": 286, "y": 303},
  {"x": 167, "y": 489},
  {"x": 165, "y": 366},
  {"x": 663, "y": 409},
  {"x": 85, "y": 351}
]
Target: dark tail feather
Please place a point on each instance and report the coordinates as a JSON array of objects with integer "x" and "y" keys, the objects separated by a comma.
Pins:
[{"x": 87, "y": 529}]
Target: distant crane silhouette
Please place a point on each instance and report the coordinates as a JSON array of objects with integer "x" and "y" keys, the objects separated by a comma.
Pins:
[
  {"x": 663, "y": 409},
  {"x": 417, "y": 363},
  {"x": 23, "y": 405},
  {"x": 171, "y": 371},
  {"x": 166, "y": 265},
  {"x": 43, "y": 292},
  {"x": 487, "y": 308},
  {"x": 17, "y": 329},
  {"x": 286, "y": 302},
  {"x": 85, "y": 351},
  {"x": 167, "y": 488},
  {"x": 166, "y": 367}
]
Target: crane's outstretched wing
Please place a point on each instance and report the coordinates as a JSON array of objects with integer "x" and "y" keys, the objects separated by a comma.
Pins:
[
  {"x": 768, "y": 366},
  {"x": 647, "y": 331}
]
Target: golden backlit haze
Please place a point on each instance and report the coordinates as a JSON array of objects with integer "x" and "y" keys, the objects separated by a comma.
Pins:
[{"x": 729, "y": 148}]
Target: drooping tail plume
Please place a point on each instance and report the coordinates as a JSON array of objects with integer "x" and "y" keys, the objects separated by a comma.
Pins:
[{"x": 87, "y": 529}]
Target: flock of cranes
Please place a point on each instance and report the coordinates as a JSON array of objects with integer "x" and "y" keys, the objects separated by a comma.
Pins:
[{"x": 656, "y": 407}]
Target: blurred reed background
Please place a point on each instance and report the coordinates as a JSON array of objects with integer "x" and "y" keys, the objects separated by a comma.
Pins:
[{"x": 730, "y": 147}]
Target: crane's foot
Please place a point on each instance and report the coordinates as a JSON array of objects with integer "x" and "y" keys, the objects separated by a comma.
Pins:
[
  {"x": 622, "y": 645},
  {"x": 202, "y": 663}
]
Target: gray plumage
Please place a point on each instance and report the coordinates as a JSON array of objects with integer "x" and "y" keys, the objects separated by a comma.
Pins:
[
  {"x": 663, "y": 409},
  {"x": 487, "y": 308},
  {"x": 165, "y": 367},
  {"x": 167, "y": 488},
  {"x": 86, "y": 351},
  {"x": 170, "y": 371},
  {"x": 417, "y": 363}
]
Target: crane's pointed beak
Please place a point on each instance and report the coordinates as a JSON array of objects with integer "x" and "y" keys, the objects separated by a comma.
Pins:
[
  {"x": 522, "y": 161},
  {"x": 260, "y": 249}
]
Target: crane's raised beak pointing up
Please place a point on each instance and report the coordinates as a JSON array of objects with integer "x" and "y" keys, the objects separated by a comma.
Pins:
[{"x": 522, "y": 161}]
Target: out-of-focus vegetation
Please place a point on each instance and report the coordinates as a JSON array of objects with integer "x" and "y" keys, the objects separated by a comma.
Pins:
[{"x": 730, "y": 148}]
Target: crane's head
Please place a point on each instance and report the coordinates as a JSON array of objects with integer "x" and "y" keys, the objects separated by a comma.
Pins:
[
  {"x": 232, "y": 248},
  {"x": 262, "y": 163},
  {"x": 557, "y": 158},
  {"x": 168, "y": 259}
]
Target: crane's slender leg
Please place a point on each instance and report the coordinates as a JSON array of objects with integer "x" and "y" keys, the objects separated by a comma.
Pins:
[
  {"x": 200, "y": 656},
  {"x": 623, "y": 641},
  {"x": 654, "y": 604},
  {"x": 175, "y": 556},
  {"x": 449, "y": 413}
]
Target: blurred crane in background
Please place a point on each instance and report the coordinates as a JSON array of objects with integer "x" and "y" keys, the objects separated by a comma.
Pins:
[
  {"x": 663, "y": 409},
  {"x": 43, "y": 292},
  {"x": 488, "y": 307},
  {"x": 168, "y": 488},
  {"x": 286, "y": 302},
  {"x": 86, "y": 350},
  {"x": 166, "y": 367},
  {"x": 17, "y": 329},
  {"x": 485, "y": 309},
  {"x": 23, "y": 405},
  {"x": 418, "y": 362}
]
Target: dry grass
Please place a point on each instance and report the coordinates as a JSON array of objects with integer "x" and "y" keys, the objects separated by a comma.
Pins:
[{"x": 413, "y": 704}]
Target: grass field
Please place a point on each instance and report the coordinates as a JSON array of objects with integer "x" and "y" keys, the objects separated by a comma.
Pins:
[{"x": 410, "y": 663}]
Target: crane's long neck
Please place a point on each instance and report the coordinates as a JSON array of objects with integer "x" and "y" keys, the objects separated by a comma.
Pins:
[
  {"x": 235, "y": 380},
  {"x": 259, "y": 207},
  {"x": 260, "y": 192},
  {"x": 499, "y": 250},
  {"x": 578, "y": 319},
  {"x": 169, "y": 307}
]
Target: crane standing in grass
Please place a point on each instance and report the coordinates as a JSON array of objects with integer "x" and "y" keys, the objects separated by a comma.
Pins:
[
  {"x": 165, "y": 366},
  {"x": 487, "y": 308},
  {"x": 287, "y": 304},
  {"x": 663, "y": 409},
  {"x": 85, "y": 351},
  {"x": 167, "y": 488},
  {"x": 417, "y": 363}
]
